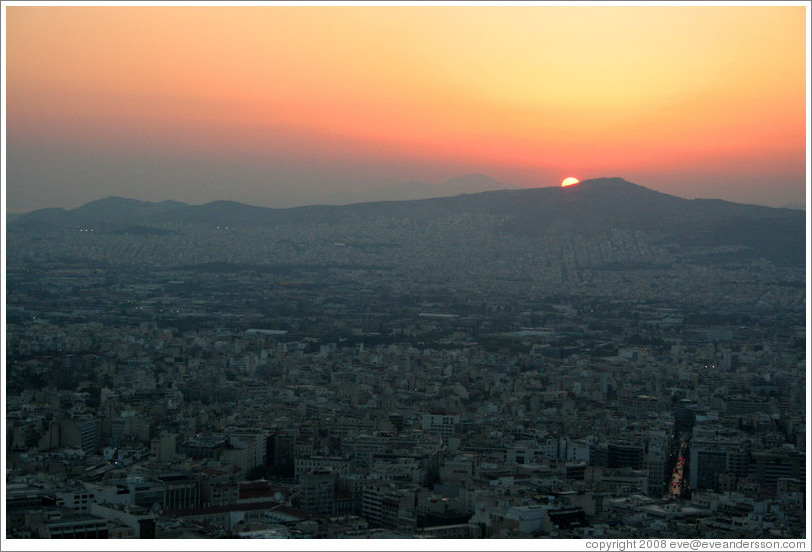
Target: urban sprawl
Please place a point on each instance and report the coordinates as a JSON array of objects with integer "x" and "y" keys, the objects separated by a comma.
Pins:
[{"x": 219, "y": 382}]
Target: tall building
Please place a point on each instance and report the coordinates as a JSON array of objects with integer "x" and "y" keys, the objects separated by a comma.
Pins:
[
  {"x": 657, "y": 446},
  {"x": 711, "y": 458},
  {"x": 626, "y": 455},
  {"x": 771, "y": 466},
  {"x": 254, "y": 442},
  {"x": 317, "y": 489},
  {"x": 81, "y": 432},
  {"x": 202, "y": 446},
  {"x": 381, "y": 505},
  {"x": 164, "y": 448},
  {"x": 181, "y": 491},
  {"x": 284, "y": 454},
  {"x": 441, "y": 424}
]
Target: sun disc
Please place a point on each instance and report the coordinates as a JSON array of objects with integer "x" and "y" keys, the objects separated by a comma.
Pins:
[{"x": 569, "y": 181}]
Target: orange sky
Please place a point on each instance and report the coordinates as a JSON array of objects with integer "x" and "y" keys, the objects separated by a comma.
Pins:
[{"x": 673, "y": 98}]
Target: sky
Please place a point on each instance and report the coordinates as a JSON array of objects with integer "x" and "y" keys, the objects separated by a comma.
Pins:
[{"x": 288, "y": 105}]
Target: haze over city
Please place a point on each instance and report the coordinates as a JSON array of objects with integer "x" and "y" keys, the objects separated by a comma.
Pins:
[
  {"x": 281, "y": 106},
  {"x": 461, "y": 272}
]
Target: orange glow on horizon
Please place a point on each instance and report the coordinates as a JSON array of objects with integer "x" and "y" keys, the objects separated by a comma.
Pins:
[{"x": 483, "y": 86}]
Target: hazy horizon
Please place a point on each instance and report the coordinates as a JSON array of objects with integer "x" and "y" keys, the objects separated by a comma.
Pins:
[
  {"x": 261, "y": 282},
  {"x": 393, "y": 192},
  {"x": 286, "y": 106}
]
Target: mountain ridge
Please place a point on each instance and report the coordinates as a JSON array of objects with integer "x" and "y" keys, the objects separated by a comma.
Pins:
[
  {"x": 591, "y": 208},
  {"x": 107, "y": 207},
  {"x": 413, "y": 190}
]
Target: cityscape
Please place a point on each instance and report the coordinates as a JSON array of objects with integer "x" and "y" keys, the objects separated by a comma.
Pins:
[
  {"x": 349, "y": 275},
  {"x": 366, "y": 380}
]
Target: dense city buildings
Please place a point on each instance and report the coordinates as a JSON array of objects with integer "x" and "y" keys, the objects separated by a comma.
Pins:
[{"x": 357, "y": 381}]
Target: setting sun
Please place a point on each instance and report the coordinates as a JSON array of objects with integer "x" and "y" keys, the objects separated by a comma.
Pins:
[
  {"x": 569, "y": 181},
  {"x": 397, "y": 94}
]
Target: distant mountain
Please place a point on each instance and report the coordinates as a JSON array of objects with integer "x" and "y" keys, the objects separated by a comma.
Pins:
[
  {"x": 123, "y": 210},
  {"x": 407, "y": 191},
  {"x": 591, "y": 208},
  {"x": 111, "y": 210}
]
